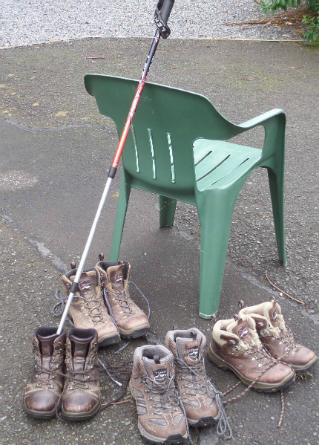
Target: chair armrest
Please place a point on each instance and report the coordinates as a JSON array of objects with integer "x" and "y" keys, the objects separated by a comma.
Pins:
[{"x": 262, "y": 119}]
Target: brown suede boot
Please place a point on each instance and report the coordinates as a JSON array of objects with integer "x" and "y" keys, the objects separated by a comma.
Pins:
[
  {"x": 130, "y": 319},
  {"x": 277, "y": 338},
  {"x": 235, "y": 345},
  {"x": 160, "y": 418},
  {"x": 81, "y": 394},
  {"x": 197, "y": 394},
  {"x": 43, "y": 391},
  {"x": 88, "y": 310}
]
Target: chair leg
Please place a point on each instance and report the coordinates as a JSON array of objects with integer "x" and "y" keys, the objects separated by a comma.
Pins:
[
  {"x": 167, "y": 208},
  {"x": 215, "y": 221},
  {"x": 125, "y": 189},
  {"x": 277, "y": 198}
]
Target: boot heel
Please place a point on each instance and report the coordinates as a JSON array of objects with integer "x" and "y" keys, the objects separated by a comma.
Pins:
[{"x": 217, "y": 361}]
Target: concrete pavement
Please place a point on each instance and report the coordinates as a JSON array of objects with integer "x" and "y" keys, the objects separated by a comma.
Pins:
[{"x": 55, "y": 150}]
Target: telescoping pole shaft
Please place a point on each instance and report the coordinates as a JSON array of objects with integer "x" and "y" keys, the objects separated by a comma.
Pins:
[{"x": 162, "y": 13}]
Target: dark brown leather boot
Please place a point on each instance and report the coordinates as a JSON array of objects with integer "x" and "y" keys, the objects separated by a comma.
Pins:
[
  {"x": 81, "y": 394},
  {"x": 278, "y": 338},
  {"x": 43, "y": 391},
  {"x": 236, "y": 346},
  {"x": 130, "y": 319}
]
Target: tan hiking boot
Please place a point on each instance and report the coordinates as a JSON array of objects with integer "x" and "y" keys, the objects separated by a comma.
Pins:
[
  {"x": 43, "y": 391},
  {"x": 88, "y": 310},
  {"x": 160, "y": 417},
  {"x": 197, "y": 393},
  {"x": 235, "y": 345},
  {"x": 81, "y": 394},
  {"x": 277, "y": 338},
  {"x": 130, "y": 319}
]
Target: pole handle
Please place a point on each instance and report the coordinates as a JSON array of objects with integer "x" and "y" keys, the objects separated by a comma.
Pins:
[
  {"x": 165, "y": 7},
  {"x": 162, "y": 13}
]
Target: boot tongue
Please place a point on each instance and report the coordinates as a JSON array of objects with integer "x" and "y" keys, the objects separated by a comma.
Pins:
[
  {"x": 157, "y": 370},
  {"x": 188, "y": 350},
  {"x": 116, "y": 277},
  {"x": 87, "y": 283},
  {"x": 47, "y": 344},
  {"x": 79, "y": 352},
  {"x": 241, "y": 329}
]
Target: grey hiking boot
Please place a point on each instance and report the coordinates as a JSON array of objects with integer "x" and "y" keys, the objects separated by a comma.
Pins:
[
  {"x": 81, "y": 394},
  {"x": 160, "y": 417},
  {"x": 88, "y": 310},
  {"x": 236, "y": 346},
  {"x": 130, "y": 319},
  {"x": 278, "y": 338},
  {"x": 43, "y": 391},
  {"x": 197, "y": 393}
]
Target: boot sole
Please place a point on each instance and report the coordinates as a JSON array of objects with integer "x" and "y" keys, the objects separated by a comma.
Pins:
[
  {"x": 205, "y": 421},
  {"x": 77, "y": 417},
  {"x": 106, "y": 341},
  {"x": 174, "y": 438},
  {"x": 258, "y": 386},
  {"x": 305, "y": 367},
  {"x": 39, "y": 414},
  {"x": 140, "y": 332}
]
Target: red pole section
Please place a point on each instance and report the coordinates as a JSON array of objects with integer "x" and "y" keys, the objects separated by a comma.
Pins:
[{"x": 128, "y": 123}]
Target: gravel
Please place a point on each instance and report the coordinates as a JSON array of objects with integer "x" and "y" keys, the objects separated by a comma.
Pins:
[{"x": 41, "y": 21}]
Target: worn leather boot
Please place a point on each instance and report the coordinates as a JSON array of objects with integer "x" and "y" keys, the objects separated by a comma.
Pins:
[
  {"x": 278, "y": 338},
  {"x": 81, "y": 394},
  {"x": 197, "y": 393},
  {"x": 236, "y": 346},
  {"x": 44, "y": 388},
  {"x": 130, "y": 319},
  {"x": 160, "y": 418},
  {"x": 88, "y": 310}
]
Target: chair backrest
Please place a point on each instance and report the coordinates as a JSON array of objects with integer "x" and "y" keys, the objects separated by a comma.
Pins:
[{"x": 159, "y": 149}]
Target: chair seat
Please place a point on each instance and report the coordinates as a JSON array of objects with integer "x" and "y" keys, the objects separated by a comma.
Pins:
[{"x": 219, "y": 163}]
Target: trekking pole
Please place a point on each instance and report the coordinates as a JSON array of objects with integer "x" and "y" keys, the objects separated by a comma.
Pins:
[{"x": 162, "y": 13}]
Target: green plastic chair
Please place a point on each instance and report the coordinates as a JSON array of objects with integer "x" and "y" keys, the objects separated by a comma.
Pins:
[{"x": 178, "y": 148}]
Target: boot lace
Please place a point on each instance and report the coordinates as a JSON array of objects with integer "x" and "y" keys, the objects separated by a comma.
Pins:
[
  {"x": 165, "y": 398},
  {"x": 45, "y": 376},
  {"x": 197, "y": 383},
  {"x": 94, "y": 311},
  {"x": 124, "y": 299}
]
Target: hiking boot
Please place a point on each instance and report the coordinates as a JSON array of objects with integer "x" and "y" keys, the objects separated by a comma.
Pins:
[
  {"x": 130, "y": 319},
  {"x": 81, "y": 394},
  {"x": 235, "y": 345},
  {"x": 43, "y": 391},
  {"x": 277, "y": 338},
  {"x": 160, "y": 417},
  {"x": 88, "y": 310},
  {"x": 196, "y": 391}
]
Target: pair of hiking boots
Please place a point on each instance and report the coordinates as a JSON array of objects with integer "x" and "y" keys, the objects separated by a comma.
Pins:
[
  {"x": 65, "y": 375},
  {"x": 259, "y": 348},
  {"x": 171, "y": 389},
  {"x": 103, "y": 302}
]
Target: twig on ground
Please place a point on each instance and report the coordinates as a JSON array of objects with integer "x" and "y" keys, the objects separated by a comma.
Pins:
[{"x": 283, "y": 292}]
